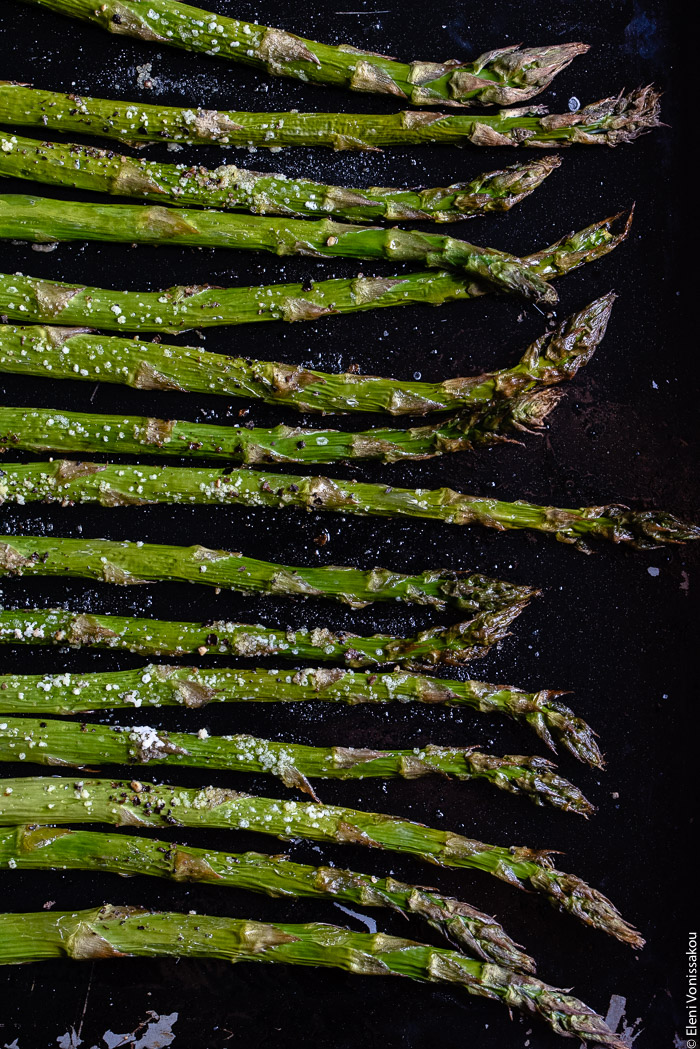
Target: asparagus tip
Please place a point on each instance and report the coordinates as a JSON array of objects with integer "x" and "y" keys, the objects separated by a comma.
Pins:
[
  {"x": 569, "y": 893},
  {"x": 521, "y": 72},
  {"x": 644, "y": 529}
]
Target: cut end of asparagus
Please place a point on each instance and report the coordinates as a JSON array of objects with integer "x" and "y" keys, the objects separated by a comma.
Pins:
[
  {"x": 569, "y": 893},
  {"x": 519, "y": 73}
]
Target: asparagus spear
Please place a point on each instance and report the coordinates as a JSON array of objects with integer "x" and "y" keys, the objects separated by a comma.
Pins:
[
  {"x": 113, "y": 485},
  {"x": 80, "y": 354},
  {"x": 176, "y": 309},
  {"x": 118, "y": 932},
  {"x": 45, "y": 429},
  {"x": 505, "y": 75},
  {"x": 139, "y": 804},
  {"x": 42, "y": 848},
  {"x": 156, "y": 685},
  {"x": 446, "y": 646},
  {"x": 128, "y": 563},
  {"x": 227, "y": 186},
  {"x": 44, "y": 220},
  {"x": 82, "y": 745},
  {"x": 608, "y": 122}
]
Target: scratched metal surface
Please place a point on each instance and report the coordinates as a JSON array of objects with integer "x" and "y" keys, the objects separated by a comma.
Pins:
[{"x": 609, "y": 627}]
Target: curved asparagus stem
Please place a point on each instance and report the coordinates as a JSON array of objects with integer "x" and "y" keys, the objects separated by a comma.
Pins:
[
  {"x": 86, "y": 744},
  {"x": 83, "y": 355},
  {"x": 438, "y": 646},
  {"x": 233, "y": 188},
  {"x": 50, "y": 848},
  {"x": 117, "y": 932},
  {"x": 608, "y": 122},
  {"x": 120, "y": 803},
  {"x": 157, "y": 685},
  {"x": 113, "y": 485},
  {"x": 28, "y": 299},
  {"x": 44, "y": 429},
  {"x": 128, "y": 563},
  {"x": 505, "y": 75},
  {"x": 44, "y": 220}
]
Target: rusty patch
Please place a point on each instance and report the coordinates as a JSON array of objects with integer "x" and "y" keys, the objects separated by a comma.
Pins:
[
  {"x": 287, "y": 379},
  {"x": 52, "y": 299},
  {"x": 192, "y": 868},
  {"x": 164, "y": 222},
  {"x": 12, "y": 560},
  {"x": 483, "y": 135},
  {"x": 367, "y": 289},
  {"x": 278, "y": 48},
  {"x": 155, "y": 431},
  {"x": 348, "y": 833},
  {"x": 292, "y": 777},
  {"x": 112, "y": 573},
  {"x": 86, "y": 943},
  {"x": 368, "y": 77},
  {"x": 298, "y": 309},
  {"x": 348, "y": 757},
  {"x": 133, "y": 180},
  {"x": 195, "y": 695},
  {"x": 149, "y": 378},
  {"x": 123, "y": 21},
  {"x": 86, "y": 630},
  {"x": 67, "y": 469},
  {"x": 209, "y": 123}
]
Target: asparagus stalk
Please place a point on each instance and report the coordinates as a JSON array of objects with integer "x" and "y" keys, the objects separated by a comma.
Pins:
[
  {"x": 44, "y": 221},
  {"x": 447, "y": 646},
  {"x": 45, "y": 429},
  {"x": 608, "y": 122},
  {"x": 50, "y": 848},
  {"x": 139, "y": 804},
  {"x": 118, "y": 932},
  {"x": 156, "y": 685},
  {"x": 128, "y": 563},
  {"x": 233, "y": 188},
  {"x": 86, "y": 744},
  {"x": 114, "y": 485},
  {"x": 80, "y": 354},
  {"x": 505, "y": 75},
  {"x": 28, "y": 299}
]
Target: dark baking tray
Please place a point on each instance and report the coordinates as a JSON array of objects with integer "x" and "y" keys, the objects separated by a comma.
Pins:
[{"x": 612, "y": 627}]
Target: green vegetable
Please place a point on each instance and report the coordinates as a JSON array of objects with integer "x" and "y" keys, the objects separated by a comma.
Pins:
[
  {"x": 45, "y": 429},
  {"x": 82, "y": 745},
  {"x": 192, "y": 688},
  {"x": 117, "y": 932},
  {"x": 508, "y": 74},
  {"x": 138, "y": 804},
  {"x": 28, "y": 299},
  {"x": 84, "y": 355},
  {"x": 50, "y": 848},
  {"x": 608, "y": 122},
  {"x": 126, "y": 563},
  {"x": 446, "y": 646},
  {"x": 227, "y": 186},
  {"x": 113, "y": 485},
  {"x": 46, "y": 221}
]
